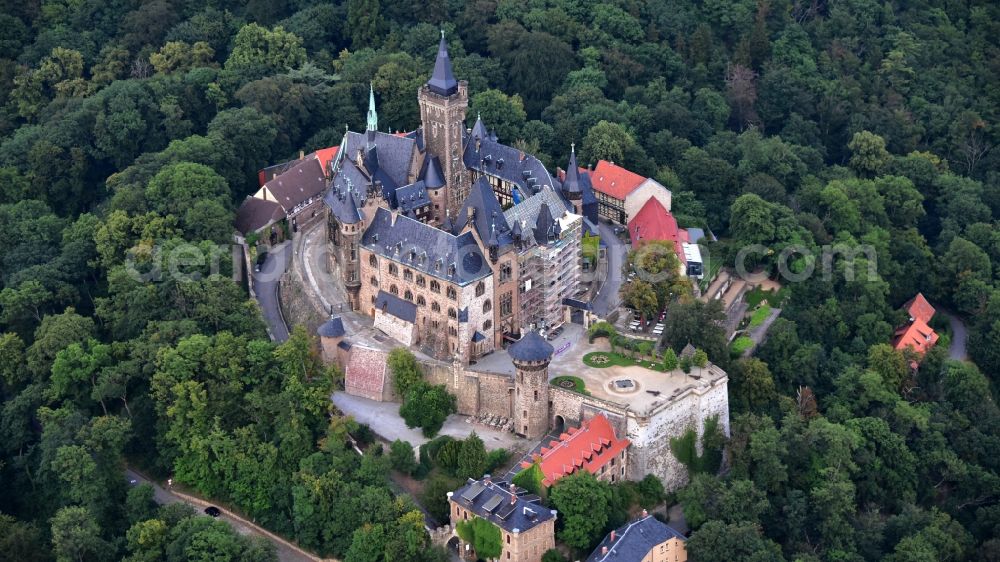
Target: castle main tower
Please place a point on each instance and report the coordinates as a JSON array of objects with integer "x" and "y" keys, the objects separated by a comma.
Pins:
[
  {"x": 443, "y": 103},
  {"x": 531, "y": 355}
]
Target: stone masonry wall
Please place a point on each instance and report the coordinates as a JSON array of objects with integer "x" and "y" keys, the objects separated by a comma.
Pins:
[
  {"x": 476, "y": 393},
  {"x": 651, "y": 435}
]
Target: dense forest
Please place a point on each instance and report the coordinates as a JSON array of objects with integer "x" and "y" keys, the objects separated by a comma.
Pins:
[{"x": 131, "y": 129}]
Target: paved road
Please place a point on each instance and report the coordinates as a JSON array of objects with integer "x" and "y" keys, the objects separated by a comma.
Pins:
[
  {"x": 163, "y": 497},
  {"x": 607, "y": 296},
  {"x": 266, "y": 286},
  {"x": 959, "y": 337}
]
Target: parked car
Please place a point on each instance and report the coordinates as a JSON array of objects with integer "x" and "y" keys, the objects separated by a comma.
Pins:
[{"x": 213, "y": 511}]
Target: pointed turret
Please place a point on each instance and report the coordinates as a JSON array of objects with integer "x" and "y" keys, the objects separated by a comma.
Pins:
[
  {"x": 443, "y": 81},
  {"x": 571, "y": 185},
  {"x": 433, "y": 178},
  {"x": 372, "y": 115},
  {"x": 352, "y": 215},
  {"x": 479, "y": 131}
]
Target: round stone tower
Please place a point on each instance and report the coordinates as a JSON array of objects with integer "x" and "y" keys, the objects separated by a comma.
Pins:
[{"x": 531, "y": 355}]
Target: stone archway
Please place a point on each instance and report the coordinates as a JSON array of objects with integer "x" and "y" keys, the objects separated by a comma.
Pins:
[{"x": 558, "y": 424}]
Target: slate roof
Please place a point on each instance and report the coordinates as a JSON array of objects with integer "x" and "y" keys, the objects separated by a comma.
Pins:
[
  {"x": 485, "y": 154},
  {"x": 531, "y": 347},
  {"x": 590, "y": 447},
  {"x": 488, "y": 219},
  {"x": 254, "y": 214},
  {"x": 919, "y": 309},
  {"x": 332, "y": 328},
  {"x": 613, "y": 180},
  {"x": 440, "y": 254},
  {"x": 298, "y": 184},
  {"x": 400, "y": 308},
  {"x": 634, "y": 541},
  {"x": 394, "y": 154},
  {"x": 496, "y": 503},
  {"x": 571, "y": 183},
  {"x": 431, "y": 173},
  {"x": 537, "y": 214},
  {"x": 411, "y": 197},
  {"x": 344, "y": 198},
  {"x": 442, "y": 80}
]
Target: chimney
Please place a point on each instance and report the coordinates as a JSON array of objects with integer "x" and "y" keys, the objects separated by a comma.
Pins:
[
  {"x": 302, "y": 154},
  {"x": 604, "y": 551},
  {"x": 645, "y": 514},
  {"x": 612, "y": 535},
  {"x": 486, "y": 479}
]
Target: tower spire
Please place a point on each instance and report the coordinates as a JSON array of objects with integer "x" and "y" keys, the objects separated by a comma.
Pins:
[
  {"x": 443, "y": 81},
  {"x": 372, "y": 115}
]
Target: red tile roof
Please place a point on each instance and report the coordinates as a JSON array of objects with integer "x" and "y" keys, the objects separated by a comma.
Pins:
[
  {"x": 919, "y": 309},
  {"x": 653, "y": 222},
  {"x": 613, "y": 180},
  {"x": 325, "y": 155},
  {"x": 366, "y": 372},
  {"x": 917, "y": 335},
  {"x": 590, "y": 447}
]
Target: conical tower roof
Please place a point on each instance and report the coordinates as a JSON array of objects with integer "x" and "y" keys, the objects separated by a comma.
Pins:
[
  {"x": 443, "y": 81},
  {"x": 571, "y": 185},
  {"x": 433, "y": 178}
]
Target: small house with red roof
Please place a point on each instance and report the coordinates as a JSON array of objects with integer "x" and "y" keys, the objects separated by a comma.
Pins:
[
  {"x": 654, "y": 222},
  {"x": 917, "y": 333},
  {"x": 622, "y": 193},
  {"x": 593, "y": 447}
]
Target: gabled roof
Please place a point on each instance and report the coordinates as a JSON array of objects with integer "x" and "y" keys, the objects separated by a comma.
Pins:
[
  {"x": 634, "y": 541},
  {"x": 395, "y": 306},
  {"x": 653, "y": 222},
  {"x": 531, "y": 347},
  {"x": 326, "y": 155},
  {"x": 916, "y": 335},
  {"x": 589, "y": 447},
  {"x": 919, "y": 309},
  {"x": 394, "y": 154},
  {"x": 442, "y": 80},
  {"x": 488, "y": 216},
  {"x": 347, "y": 194},
  {"x": 613, "y": 180},
  {"x": 413, "y": 196},
  {"x": 366, "y": 369},
  {"x": 542, "y": 209},
  {"x": 255, "y": 214},
  {"x": 457, "y": 259},
  {"x": 485, "y": 154},
  {"x": 298, "y": 184},
  {"x": 507, "y": 508}
]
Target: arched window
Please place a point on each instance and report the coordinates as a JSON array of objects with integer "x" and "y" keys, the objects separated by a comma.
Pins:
[
  {"x": 421, "y": 301},
  {"x": 452, "y": 294},
  {"x": 435, "y": 306},
  {"x": 407, "y": 275},
  {"x": 421, "y": 282},
  {"x": 487, "y": 325},
  {"x": 408, "y": 295},
  {"x": 435, "y": 287},
  {"x": 487, "y": 306},
  {"x": 374, "y": 281},
  {"x": 480, "y": 289},
  {"x": 393, "y": 289},
  {"x": 393, "y": 270},
  {"x": 452, "y": 331},
  {"x": 505, "y": 272},
  {"x": 451, "y": 313},
  {"x": 372, "y": 260}
]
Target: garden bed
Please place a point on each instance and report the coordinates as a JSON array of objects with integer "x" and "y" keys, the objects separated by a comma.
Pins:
[
  {"x": 740, "y": 345},
  {"x": 759, "y": 315},
  {"x": 571, "y": 383},
  {"x": 602, "y": 359}
]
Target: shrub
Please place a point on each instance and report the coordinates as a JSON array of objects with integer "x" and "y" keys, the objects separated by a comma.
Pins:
[{"x": 401, "y": 457}]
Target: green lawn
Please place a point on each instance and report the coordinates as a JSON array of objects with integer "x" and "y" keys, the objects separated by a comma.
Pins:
[
  {"x": 740, "y": 345},
  {"x": 619, "y": 360},
  {"x": 759, "y": 295},
  {"x": 578, "y": 385},
  {"x": 759, "y": 315}
]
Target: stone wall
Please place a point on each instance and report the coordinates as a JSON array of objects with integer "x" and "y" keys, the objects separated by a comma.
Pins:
[
  {"x": 650, "y": 435},
  {"x": 476, "y": 393},
  {"x": 396, "y": 328}
]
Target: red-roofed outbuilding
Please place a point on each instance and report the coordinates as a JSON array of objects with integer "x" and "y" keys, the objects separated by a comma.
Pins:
[
  {"x": 593, "y": 447},
  {"x": 919, "y": 309},
  {"x": 916, "y": 334},
  {"x": 622, "y": 193}
]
